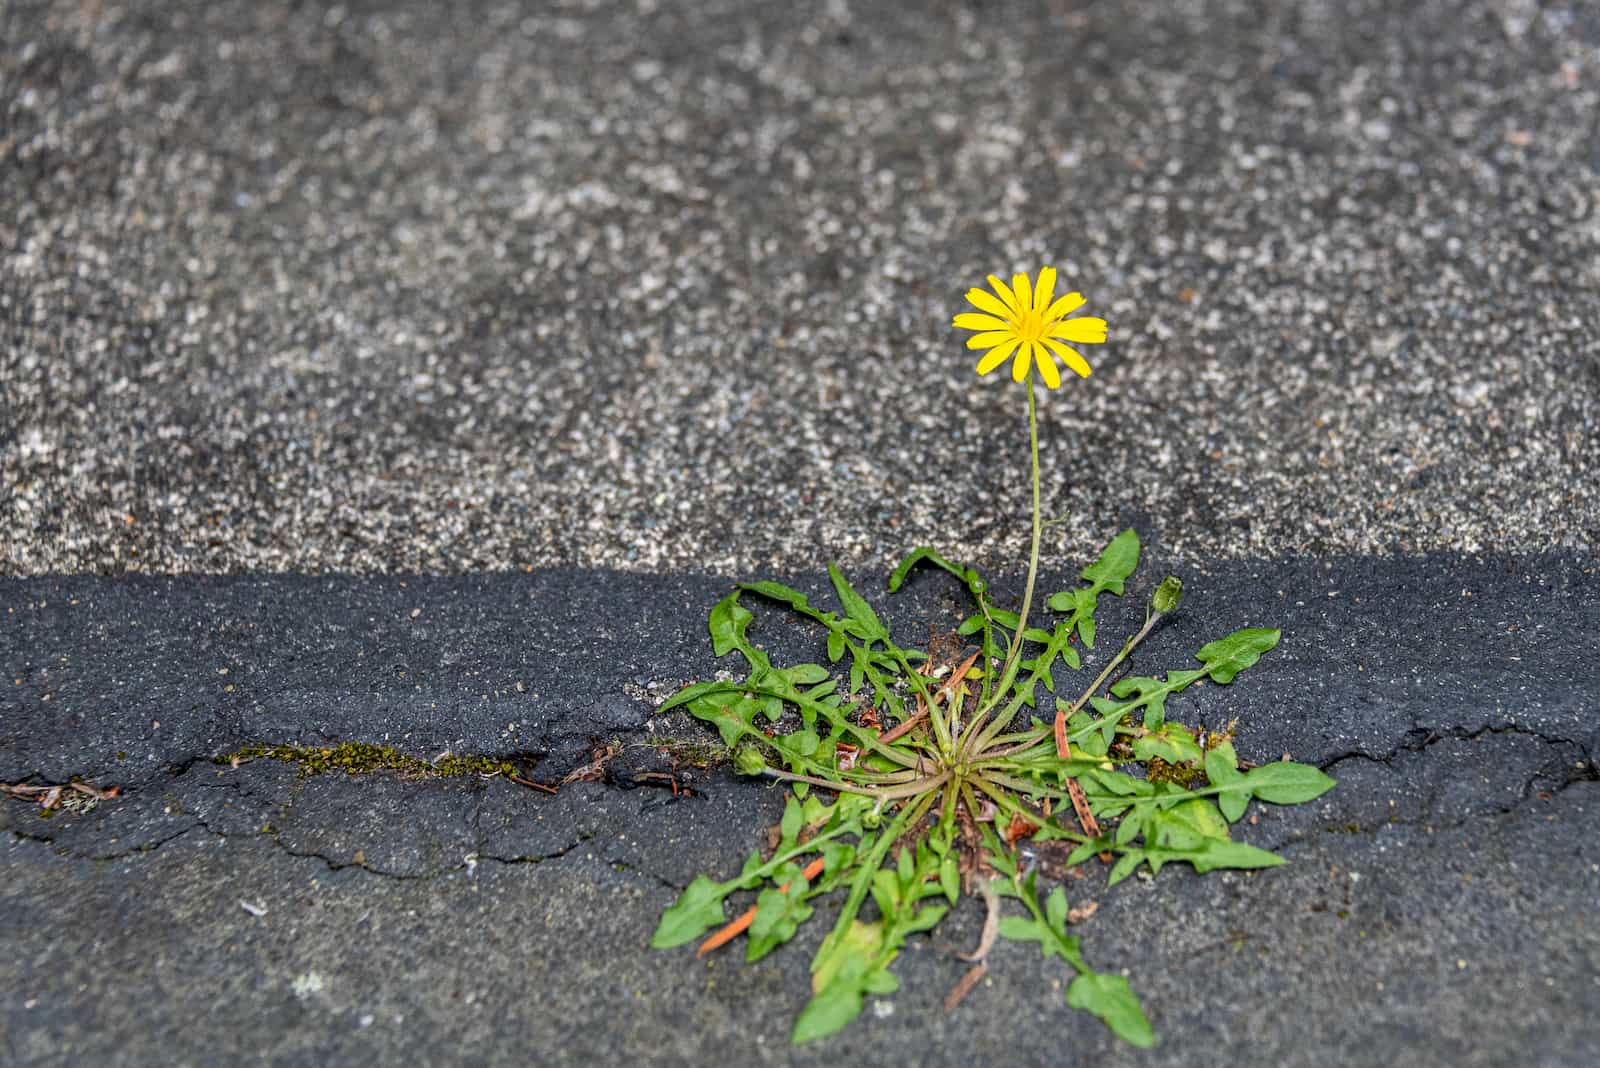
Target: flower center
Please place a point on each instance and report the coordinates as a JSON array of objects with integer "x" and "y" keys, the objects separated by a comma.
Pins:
[{"x": 1030, "y": 325}]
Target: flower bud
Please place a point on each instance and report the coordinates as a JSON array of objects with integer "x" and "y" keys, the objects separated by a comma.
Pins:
[
  {"x": 747, "y": 760},
  {"x": 1167, "y": 595}
]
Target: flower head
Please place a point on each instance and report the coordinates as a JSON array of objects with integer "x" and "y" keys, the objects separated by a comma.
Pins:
[{"x": 1028, "y": 324}]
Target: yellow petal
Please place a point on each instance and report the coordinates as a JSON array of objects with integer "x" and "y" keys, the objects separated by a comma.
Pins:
[
  {"x": 1019, "y": 366},
  {"x": 997, "y": 356},
  {"x": 1008, "y": 297},
  {"x": 988, "y": 302},
  {"x": 1047, "y": 368},
  {"x": 1085, "y": 331},
  {"x": 1069, "y": 357},
  {"x": 974, "y": 321},
  {"x": 1024, "y": 292},
  {"x": 1047, "y": 286},
  {"x": 1064, "y": 306},
  {"x": 990, "y": 339}
]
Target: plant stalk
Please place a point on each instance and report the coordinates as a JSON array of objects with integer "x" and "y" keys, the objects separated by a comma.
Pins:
[{"x": 1014, "y": 655}]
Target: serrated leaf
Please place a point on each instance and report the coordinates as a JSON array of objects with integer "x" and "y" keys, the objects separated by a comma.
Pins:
[
  {"x": 1287, "y": 783},
  {"x": 1113, "y": 1000},
  {"x": 697, "y": 910},
  {"x": 1226, "y": 657}
]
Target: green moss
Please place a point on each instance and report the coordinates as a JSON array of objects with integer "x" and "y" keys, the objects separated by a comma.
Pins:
[
  {"x": 364, "y": 758},
  {"x": 696, "y": 754},
  {"x": 1184, "y": 775}
]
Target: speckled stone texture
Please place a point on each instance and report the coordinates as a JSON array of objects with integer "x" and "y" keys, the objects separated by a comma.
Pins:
[{"x": 451, "y": 287}]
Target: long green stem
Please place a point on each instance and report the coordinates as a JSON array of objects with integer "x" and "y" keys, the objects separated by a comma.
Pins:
[
  {"x": 1149, "y": 624},
  {"x": 1014, "y": 655}
]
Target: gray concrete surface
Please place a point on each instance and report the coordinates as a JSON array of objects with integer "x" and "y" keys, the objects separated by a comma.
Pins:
[
  {"x": 449, "y": 288},
  {"x": 421, "y": 374}
]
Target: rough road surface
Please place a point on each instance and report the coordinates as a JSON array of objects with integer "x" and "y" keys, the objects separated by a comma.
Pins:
[{"x": 420, "y": 375}]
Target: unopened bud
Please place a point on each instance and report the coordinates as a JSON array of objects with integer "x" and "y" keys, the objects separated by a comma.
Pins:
[
  {"x": 1167, "y": 595},
  {"x": 749, "y": 761}
]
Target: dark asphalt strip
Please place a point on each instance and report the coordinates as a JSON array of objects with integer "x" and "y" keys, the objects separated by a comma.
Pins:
[{"x": 1439, "y": 906}]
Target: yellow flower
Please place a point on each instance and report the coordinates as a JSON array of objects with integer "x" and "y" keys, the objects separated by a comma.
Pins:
[{"x": 1026, "y": 323}]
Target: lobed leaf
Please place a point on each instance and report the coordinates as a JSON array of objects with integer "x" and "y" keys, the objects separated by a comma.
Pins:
[
  {"x": 729, "y": 621},
  {"x": 1226, "y": 657}
]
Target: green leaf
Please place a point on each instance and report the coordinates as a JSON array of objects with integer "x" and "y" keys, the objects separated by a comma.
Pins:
[
  {"x": 805, "y": 674},
  {"x": 950, "y": 878},
  {"x": 1214, "y": 854},
  {"x": 779, "y": 914},
  {"x": 859, "y": 612},
  {"x": 1124, "y": 866},
  {"x": 698, "y": 909},
  {"x": 731, "y": 712},
  {"x": 917, "y": 556},
  {"x": 1117, "y": 561},
  {"x": 1173, "y": 743},
  {"x": 1152, "y": 693},
  {"x": 828, "y": 1012},
  {"x": 1226, "y": 657},
  {"x": 1287, "y": 783},
  {"x": 793, "y": 820},
  {"x": 689, "y": 693},
  {"x": 1048, "y": 928},
  {"x": 1201, "y": 817},
  {"x": 835, "y": 645},
  {"x": 1222, "y": 769},
  {"x": 777, "y": 591},
  {"x": 1020, "y": 929},
  {"x": 1113, "y": 1000},
  {"x": 729, "y": 620}
]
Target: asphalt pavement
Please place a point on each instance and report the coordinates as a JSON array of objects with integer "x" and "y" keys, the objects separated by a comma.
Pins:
[{"x": 418, "y": 376}]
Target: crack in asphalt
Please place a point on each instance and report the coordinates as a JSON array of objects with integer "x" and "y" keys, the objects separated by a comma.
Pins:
[
  {"x": 1420, "y": 739},
  {"x": 1416, "y": 741}
]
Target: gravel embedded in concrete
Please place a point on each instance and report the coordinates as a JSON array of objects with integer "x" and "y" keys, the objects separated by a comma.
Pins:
[{"x": 663, "y": 286}]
